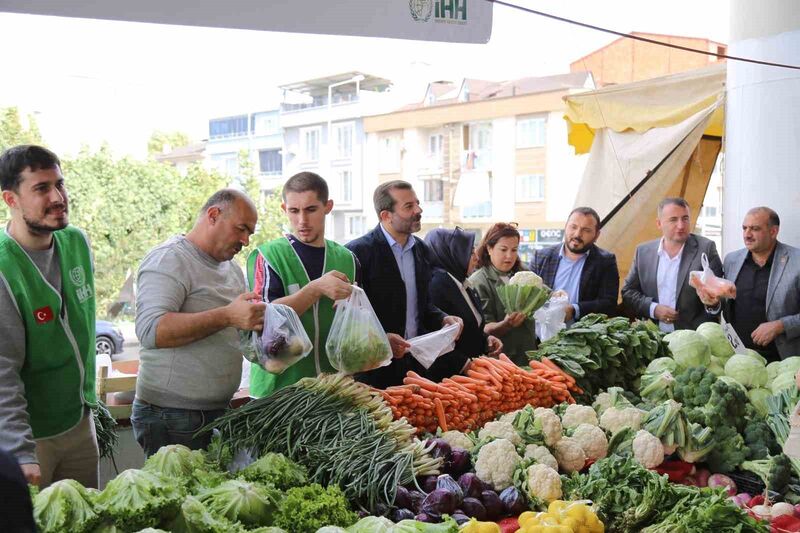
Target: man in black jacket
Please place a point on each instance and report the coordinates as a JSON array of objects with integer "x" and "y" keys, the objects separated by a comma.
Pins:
[
  {"x": 587, "y": 273},
  {"x": 395, "y": 274}
]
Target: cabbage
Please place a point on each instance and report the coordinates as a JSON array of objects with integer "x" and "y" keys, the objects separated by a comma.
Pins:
[
  {"x": 773, "y": 369},
  {"x": 755, "y": 355},
  {"x": 758, "y": 397},
  {"x": 137, "y": 499},
  {"x": 371, "y": 524},
  {"x": 64, "y": 506},
  {"x": 746, "y": 370},
  {"x": 661, "y": 365},
  {"x": 277, "y": 470},
  {"x": 716, "y": 366},
  {"x": 331, "y": 529},
  {"x": 717, "y": 341},
  {"x": 251, "y": 504},
  {"x": 790, "y": 364},
  {"x": 784, "y": 380},
  {"x": 689, "y": 348}
]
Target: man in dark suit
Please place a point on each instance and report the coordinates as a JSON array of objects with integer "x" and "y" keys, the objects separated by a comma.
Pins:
[
  {"x": 395, "y": 274},
  {"x": 657, "y": 285},
  {"x": 587, "y": 273}
]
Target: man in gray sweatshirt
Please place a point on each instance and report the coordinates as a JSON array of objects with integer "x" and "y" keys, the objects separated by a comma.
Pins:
[{"x": 191, "y": 300}]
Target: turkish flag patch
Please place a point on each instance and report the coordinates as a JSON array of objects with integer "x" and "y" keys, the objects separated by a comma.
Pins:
[{"x": 43, "y": 314}]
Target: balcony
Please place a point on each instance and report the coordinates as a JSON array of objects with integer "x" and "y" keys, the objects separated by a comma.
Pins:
[
  {"x": 432, "y": 210},
  {"x": 476, "y": 160},
  {"x": 481, "y": 210}
]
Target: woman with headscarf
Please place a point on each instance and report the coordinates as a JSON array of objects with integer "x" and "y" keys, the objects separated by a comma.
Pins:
[{"x": 454, "y": 259}]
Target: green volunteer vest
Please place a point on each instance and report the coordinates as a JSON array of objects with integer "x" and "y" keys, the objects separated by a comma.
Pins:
[
  {"x": 317, "y": 320},
  {"x": 59, "y": 372}
]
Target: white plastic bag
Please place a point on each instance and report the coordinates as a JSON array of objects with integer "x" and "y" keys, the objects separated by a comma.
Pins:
[
  {"x": 356, "y": 341},
  {"x": 550, "y": 318},
  {"x": 281, "y": 343},
  {"x": 427, "y": 348},
  {"x": 792, "y": 445},
  {"x": 708, "y": 282}
]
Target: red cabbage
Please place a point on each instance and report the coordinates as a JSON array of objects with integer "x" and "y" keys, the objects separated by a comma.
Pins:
[
  {"x": 471, "y": 485},
  {"x": 474, "y": 509},
  {"x": 513, "y": 501},
  {"x": 445, "y": 482},
  {"x": 494, "y": 507},
  {"x": 440, "y": 502}
]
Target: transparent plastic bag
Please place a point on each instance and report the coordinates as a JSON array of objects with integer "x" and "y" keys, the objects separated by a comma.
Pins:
[
  {"x": 550, "y": 318},
  {"x": 706, "y": 281},
  {"x": 427, "y": 348},
  {"x": 356, "y": 341},
  {"x": 792, "y": 445},
  {"x": 281, "y": 343}
]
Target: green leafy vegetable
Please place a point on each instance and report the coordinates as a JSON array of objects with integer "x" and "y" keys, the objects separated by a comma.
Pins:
[
  {"x": 277, "y": 470},
  {"x": 689, "y": 348},
  {"x": 65, "y": 506},
  {"x": 309, "y": 508},
  {"x": 137, "y": 499},
  {"x": 252, "y": 504}
]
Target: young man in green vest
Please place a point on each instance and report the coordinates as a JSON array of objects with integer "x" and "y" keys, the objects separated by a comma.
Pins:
[
  {"x": 304, "y": 271},
  {"x": 47, "y": 344}
]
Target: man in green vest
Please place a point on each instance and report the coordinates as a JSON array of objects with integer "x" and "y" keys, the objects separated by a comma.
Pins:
[
  {"x": 47, "y": 344},
  {"x": 304, "y": 271}
]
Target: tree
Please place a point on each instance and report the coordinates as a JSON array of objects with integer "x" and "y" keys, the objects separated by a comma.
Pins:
[
  {"x": 271, "y": 219},
  {"x": 160, "y": 139},
  {"x": 12, "y": 133}
]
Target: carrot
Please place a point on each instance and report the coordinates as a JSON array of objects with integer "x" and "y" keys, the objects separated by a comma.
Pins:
[{"x": 440, "y": 414}]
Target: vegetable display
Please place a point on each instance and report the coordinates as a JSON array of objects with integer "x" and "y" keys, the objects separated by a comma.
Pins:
[{"x": 524, "y": 293}]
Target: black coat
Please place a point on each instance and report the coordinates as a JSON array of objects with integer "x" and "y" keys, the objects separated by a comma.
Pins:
[
  {"x": 449, "y": 298},
  {"x": 599, "y": 284},
  {"x": 381, "y": 280}
]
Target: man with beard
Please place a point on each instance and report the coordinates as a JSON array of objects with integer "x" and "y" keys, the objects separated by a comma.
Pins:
[
  {"x": 587, "y": 273},
  {"x": 191, "y": 300},
  {"x": 396, "y": 275},
  {"x": 305, "y": 271},
  {"x": 47, "y": 305},
  {"x": 657, "y": 285},
  {"x": 766, "y": 310}
]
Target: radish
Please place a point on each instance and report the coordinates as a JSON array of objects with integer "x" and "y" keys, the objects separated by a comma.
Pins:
[
  {"x": 745, "y": 498},
  {"x": 762, "y": 512},
  {"x": 702, "y": 476},
  {"x": 722, "y": 481},
  {"x": 782, "y": 508}
]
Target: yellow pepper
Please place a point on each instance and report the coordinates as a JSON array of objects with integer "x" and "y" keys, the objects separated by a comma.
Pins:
[
  {"x": 562, "y": 517},
  {"x": 473, "y": 526}
]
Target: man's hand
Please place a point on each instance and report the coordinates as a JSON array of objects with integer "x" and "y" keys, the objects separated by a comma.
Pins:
[
  {"x": 399, "y": 345},
  {"x": 448, "y": 320},
  {"x": 246, "y": 312},
  {"x": 766, "y": 332},
  {"x": 334, "y": 285},
  {"x": 569, "y": 313},
  {"x": 706, "y": 298},
  {"x": 665, "y": 314},
  {"x": 32, "y": 472},
  {"x": 495, "y": 346},
  {"x": 514, "y": 319}
]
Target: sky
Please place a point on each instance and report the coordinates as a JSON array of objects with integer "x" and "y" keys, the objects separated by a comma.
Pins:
[{"x": 91, "y": 81}]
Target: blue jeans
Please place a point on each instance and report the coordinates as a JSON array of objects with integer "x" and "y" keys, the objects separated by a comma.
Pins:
[{"x": 155, "y": 426}]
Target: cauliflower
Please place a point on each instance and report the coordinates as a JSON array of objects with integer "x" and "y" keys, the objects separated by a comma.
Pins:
[
  {"x": 551, "y": 425},
  {"x": 576, "y": 415},
  {"x": 602, "y": 402},
  {"x": 570, "y": 455},
  {"x": 509, "y": 417},
  {"x": 496, "y": 464},
  {"x": 592, "y": 440},
  {"x": 542, "y": 484},
  {"x": 541, "y": 455},
  {"x": 500, "y": 430},
  {"x": 456, "y": 439},
  {"x": 647, "y": 449},
  {"x": 614, "y": 419},
  {"x": 526, "y": 277}
]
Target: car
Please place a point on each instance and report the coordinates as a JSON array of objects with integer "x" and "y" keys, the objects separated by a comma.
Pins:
[{"x": 108, "y": 338}]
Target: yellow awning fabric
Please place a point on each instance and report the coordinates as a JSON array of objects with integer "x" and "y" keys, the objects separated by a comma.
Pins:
[{"x": 642, "y": 105}]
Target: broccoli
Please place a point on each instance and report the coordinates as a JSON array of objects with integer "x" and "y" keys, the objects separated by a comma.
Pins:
[
  {"x": 760, "y": 439},
  {"x": 775, "y": 472},
  {"x": 699, "y": 444},
  {"x": 729, "y": 452},
  {"x": 727, "y": 406},
  {"x": 693, "y": 387}
]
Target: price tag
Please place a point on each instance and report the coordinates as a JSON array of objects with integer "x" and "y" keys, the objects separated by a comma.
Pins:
[{"x": 733, "y": 337}]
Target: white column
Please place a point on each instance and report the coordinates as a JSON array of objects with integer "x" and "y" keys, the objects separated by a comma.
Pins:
[{"x": 762, "y": 151}]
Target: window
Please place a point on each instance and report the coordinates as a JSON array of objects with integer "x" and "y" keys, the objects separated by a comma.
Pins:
[
  {"x": 434, "y": 191},
  {"x": 481, "y": 137},
  {"x": 530, "y": 132},
  {"x": 220, "y": 128},
  {"x": 390, "y": 154},
  {"x": 355, "y": 225},
  {"x": 343, "y": 137},
  {"x": 270, "y": 161},
  {"x": 265, "y": 124},
  {"x": 710, "y": 211},
  {"x": 226, "y": 164},
  {"x": 309, "y": 138},
  {"x": 530, "y": 188},
  {"x": 346, "y": 184}
]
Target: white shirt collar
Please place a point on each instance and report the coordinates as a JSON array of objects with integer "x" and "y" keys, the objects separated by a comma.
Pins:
[
  {"x": 663, "y": 252},
  {"x": 391, "y": 240}
]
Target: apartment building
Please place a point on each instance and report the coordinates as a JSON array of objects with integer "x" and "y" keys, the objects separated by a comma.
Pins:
[{"x": 479, "y": 152}]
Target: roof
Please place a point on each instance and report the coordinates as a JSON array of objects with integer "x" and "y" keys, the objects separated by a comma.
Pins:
[
  {"x": 485, "y": 90},
  {"x": 654, "y": 36},
  {"x": 369, "y": 83},
  {"x": 190, "y": 151}
]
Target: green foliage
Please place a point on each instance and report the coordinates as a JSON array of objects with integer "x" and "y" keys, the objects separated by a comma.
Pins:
[
  {"x": 136, "y": 499},
  {"x": 760, "y": 440},
  {"x": 729, "y": 452},
  {"x": 12, "y": 133},
  {"x": 693, "y": 386},
  {"x": 277, "y": 470},
  {"x": 161, "y": 139},
  {"x": 312, "y": 507},
  {"x": 252, "y": 504},
  {"x": 65, "y": 506}
]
